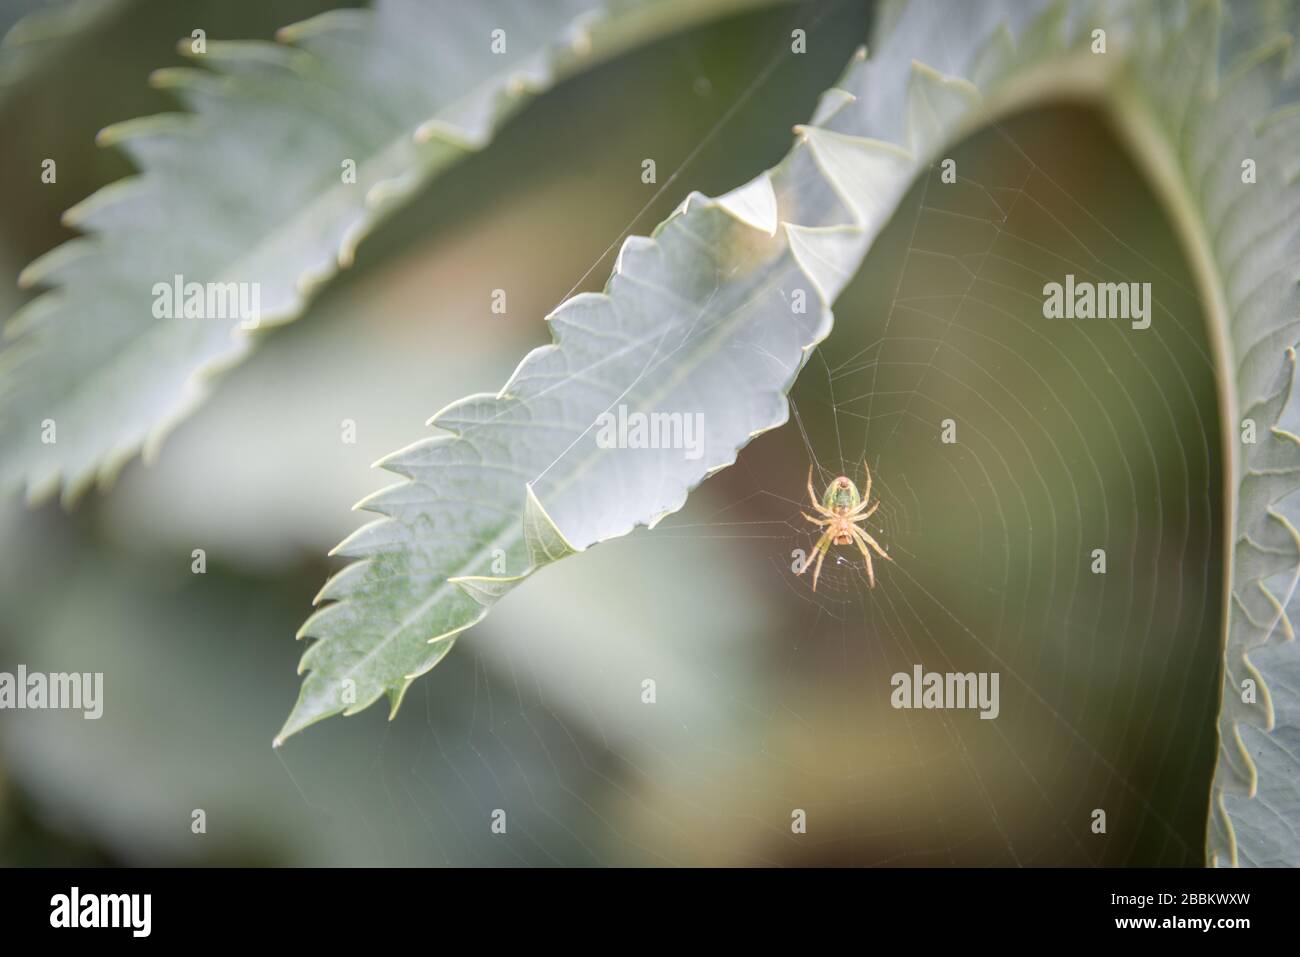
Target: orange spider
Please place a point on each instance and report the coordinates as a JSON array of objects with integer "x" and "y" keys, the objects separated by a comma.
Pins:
[{"x": 841, "y": 507}]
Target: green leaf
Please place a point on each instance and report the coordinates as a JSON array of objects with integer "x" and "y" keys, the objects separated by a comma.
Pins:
[
  {"x": 699, "y": 317},
  {"x": 1204, "y": 90},
  {"x": 713, "y": 314},
  {"x": 33, "y": 29},
  {"x": 1218, "y": 88},
  {"x": 250, "y": 187}
]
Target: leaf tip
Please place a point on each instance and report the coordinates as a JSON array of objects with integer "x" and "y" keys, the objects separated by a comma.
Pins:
[{"x": 396, "y": 694}]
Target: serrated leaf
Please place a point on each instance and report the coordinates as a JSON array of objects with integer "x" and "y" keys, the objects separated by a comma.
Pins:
[
  {"x": 30, "y": 30},
  {"x": 1193, "y": 99},
  {"x": 1201, "y": 126},
  {"x": 713, "y": 315},
  {"x": 253, "y": 186}
]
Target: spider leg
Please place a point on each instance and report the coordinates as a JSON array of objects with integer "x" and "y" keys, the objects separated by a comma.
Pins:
[
  {"x": 857, "y": 540},
  {"x": 820, "y": 549},
  {"x": 818, "y": 570},
  {"x": 873, "y": 543},
  {"x": 866, "y": 496},
  {"x": 816, "y": 521},
  {"x": 865, "y": 515},
  {"x": 812, "y": 496},
  {"x": 823, "y": 545}
]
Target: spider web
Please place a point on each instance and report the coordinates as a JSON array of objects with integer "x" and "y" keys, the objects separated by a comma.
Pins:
[
  {"x": 773, "y": 700},
  {"x": 1069, "y": 436}
]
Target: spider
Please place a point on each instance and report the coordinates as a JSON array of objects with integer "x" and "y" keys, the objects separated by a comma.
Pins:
[{"x": 841, "y": 507}]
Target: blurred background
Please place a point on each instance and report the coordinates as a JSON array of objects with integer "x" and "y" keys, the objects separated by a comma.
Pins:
[{"x": 1071, "y": 436}]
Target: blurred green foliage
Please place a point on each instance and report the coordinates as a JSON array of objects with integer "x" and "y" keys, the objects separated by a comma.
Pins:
[{"x": 768, "y": 698}]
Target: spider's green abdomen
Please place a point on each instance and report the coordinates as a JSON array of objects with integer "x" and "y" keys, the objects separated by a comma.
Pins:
[{"x": 840, "y": 494}]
